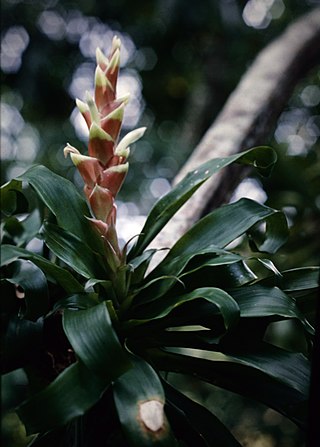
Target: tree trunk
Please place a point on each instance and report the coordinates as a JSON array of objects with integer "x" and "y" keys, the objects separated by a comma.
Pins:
[{"x": 247, "y": 118}]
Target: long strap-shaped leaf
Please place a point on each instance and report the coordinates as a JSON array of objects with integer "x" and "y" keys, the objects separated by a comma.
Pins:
[
  {"x": 73, "y": 251},
  {"x": 139, "y": 399},
  {"x": 95, "y": 342},
  {"x": 215, "y": 230},
  {"x": 35, "y": 288},
  {"x": 225, "y": 304},
  {"x": 275, "y": 377},
  {"x": 10, "y": 253},
  {"x": 263, "y": 158},
  {"x": 262, "y": 301},
  {"x": 209, "y": 427},
  {"x": 64, "y": 201},
  {"x": 70, "y": 395},
  {"x": 298, "y": 280}
]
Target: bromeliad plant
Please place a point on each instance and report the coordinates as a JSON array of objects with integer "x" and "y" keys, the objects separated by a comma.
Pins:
[{"x": 97, "y": 331}]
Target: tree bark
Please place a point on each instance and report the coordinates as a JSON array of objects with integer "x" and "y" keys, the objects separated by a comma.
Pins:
[{"x": 247, "y": 118}]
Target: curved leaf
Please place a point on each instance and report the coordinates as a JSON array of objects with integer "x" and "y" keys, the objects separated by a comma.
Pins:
[
  {"x": 73, "y": 251},
  {"x": 211, "y": 429},
  {"x": 275, "y": 377},
  {"x": 296, "y": 280},
  {"x": 260, "y": 301},
  {"x": 263, "y": 158},
  {"x": 64, "y": 201},
  {"x": 79, "y": 301},
  {"x": 22, "y": 341},
  {"x": 70, "y": 395},
  {"x": 210, "y": 235},
  {"x": 10, "y": 253},
  {"x": 223, "y": 302},
  {"x": 139, "y": 400},
  {"x": 225, "y": 224},
  {"x": 95, "y": 342},
  {"x": 31, "y": 279},
  {"x": 12, "y": 199}
]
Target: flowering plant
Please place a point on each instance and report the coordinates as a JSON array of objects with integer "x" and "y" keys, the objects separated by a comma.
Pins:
[{"x": 97, "y": 331}]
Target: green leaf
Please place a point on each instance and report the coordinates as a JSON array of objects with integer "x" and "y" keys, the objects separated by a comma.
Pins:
[
  {"x": 70, "y": 395},
  {"x": 296, "y": 280},
  {"x": 210, "y": 428},
  {"x": 222, "y": 301},
  {"x": 261, "y": 301},
  {"x": 139, "y": 400},
  {"x": 22, "y": 341},
  {"x": 73, "y": 251},
  {"x": 139, "y": 265},
  {"x": 31, "y": 279},
  {"x": 224, "y": 225},
  {"x": 10, "y": 253},
  {"x": 95, "y": 342},
  {"x": 64, "y": 201},
  {"x": 77, "y": 302},
  {"x": 263, "y": 158},
  {"x": 276, "y": 234},
  {"x": 12, "y": 199},
  {"x": 275, "y": 377},
  {"x": 211, "y": 234}
]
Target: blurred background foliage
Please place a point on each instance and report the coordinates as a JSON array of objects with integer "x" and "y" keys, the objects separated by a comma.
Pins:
[{"x": 180, "y": 61}]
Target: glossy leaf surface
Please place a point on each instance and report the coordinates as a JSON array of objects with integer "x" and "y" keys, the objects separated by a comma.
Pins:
[
  {"x": 73, "y": 251},
  {"x": 33, "y": 289},
  {"x": 10, "y": 253},
  {"x": 263, "y": 158},
  {"x": 64, "y": 201},
  {"x": 95, "y": 342},
  {"x": 139, "y": 399},
  {"x": 70, "y": 395}
]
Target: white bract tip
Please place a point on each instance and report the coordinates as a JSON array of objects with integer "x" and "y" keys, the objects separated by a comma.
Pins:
[
  {"x": 128, "y": 139},
  {"x": 124, "y": 99},
  {"x": 116, "y": 44},
  {"x": 116, "y": 114},
  {"x": 115, "y": 61},
  {"x": 97, "y": 132},
  {"x": 101, "y": 58},
  {"x": 119, "y": 169},
  {"x": 82, "y": 106},
  {"x": 70, "y": 150},
  {"x": 99, "y": 77},
  {"x": 94, "y": 112}
]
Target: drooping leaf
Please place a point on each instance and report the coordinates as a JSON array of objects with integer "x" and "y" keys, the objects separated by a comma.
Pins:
[
  {"x": 211, "y": 234},
  {"x": 275, "y": 377},
  {"x": 32, "y": 281},
  {"x": 10, "y": 253},
  {"x": 79, "y": 301},
  {"x": 139, "y": 400},
  {"x": 296, "y": 280},
  {"x": 262, "y": 301},
  {"x": 64, "y": 201},
  {"x": 209, "y": 427},
  {"x": 70, "y": 395},
  {"x": 95, "y": 342},
  {"x": 73, "y": 251},
  {"x": 225, "y": 224},
  {"x": 22, "y": 341},
  {"x": 12, "y": 199},
  {"x": 219, "y": 299},
  {"x": 263, "y": 158}
]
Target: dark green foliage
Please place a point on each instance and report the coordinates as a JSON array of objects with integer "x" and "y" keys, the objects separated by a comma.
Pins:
[{"x": 202, "y": 311}]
